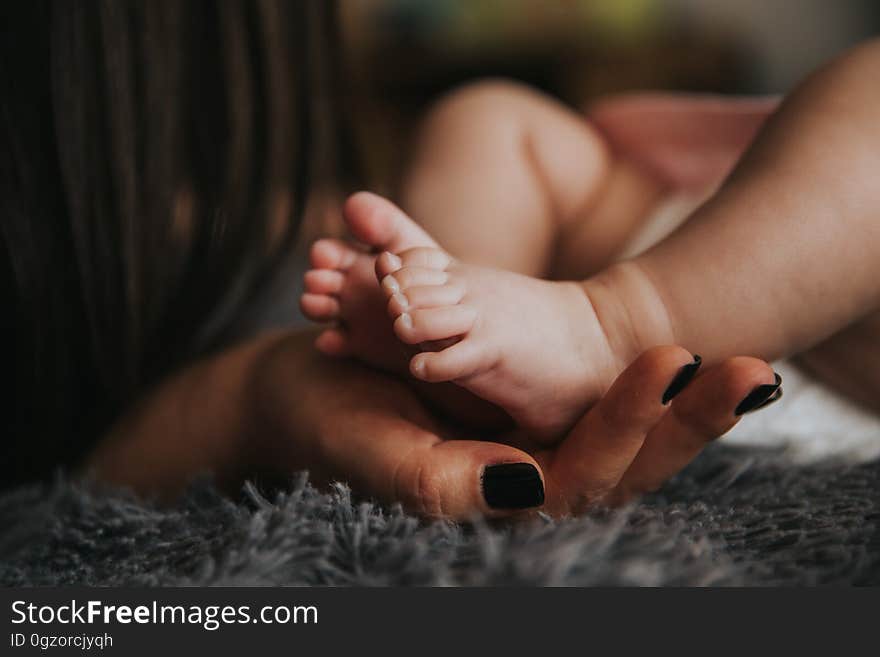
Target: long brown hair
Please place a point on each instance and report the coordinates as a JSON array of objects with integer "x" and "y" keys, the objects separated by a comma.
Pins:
[{"x": 154, "y": 166}]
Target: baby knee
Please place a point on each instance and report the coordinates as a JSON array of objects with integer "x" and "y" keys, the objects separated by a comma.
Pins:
[{"x": 495, "y": 99}]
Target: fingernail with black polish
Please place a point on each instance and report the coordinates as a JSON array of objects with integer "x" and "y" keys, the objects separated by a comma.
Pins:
[
  {"x": 512, "y": 486},
  {"x": 760, "y": 397},
  {"x": 684, "y": 376}
]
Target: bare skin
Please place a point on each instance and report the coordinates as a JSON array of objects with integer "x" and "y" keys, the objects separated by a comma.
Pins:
[
  {"x": 274, "y": 405},
  {"x": 809, "y": 215},
  {"x": 501, "y": 336}
]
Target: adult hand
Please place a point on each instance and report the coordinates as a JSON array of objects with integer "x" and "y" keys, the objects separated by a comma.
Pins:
[{"x": 342, "y": 421}]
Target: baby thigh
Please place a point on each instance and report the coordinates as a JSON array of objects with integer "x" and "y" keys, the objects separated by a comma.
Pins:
[{"x": 498, "y": 173}]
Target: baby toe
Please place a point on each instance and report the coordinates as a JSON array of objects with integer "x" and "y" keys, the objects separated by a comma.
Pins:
[
  {"x": 387, "y": 263},
  {"x": 333, "y": 342},
  {"x": 398, "y": 304},
  {"x": 420, "y": 257},
  {"x": 324, "y": 281},
  {"x": 462, "y": 359},
  {"x": 319, "y": 307},
  {"x": 427, "y": 325},
  {"x": 424, "y": 296},
  {"x": 409, "y": 277},
  {"x": 381, "y": 224},
  {"x": 425, "y": 257},
  {"x": 332, "y": 254}
]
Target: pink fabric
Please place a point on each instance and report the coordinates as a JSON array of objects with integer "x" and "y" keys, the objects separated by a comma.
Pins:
[{"x": 689, "y": 141}]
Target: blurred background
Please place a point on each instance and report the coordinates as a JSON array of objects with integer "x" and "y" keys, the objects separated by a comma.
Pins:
[{"x": 404, "y": 53}]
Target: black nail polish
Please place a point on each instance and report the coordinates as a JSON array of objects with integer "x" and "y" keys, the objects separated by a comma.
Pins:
[
  {"x": 775, "y": 397},
  {"x": 684, "y": 376},
  {"x": 512, "y": 486},
  {"x": 760, "y": 397}
]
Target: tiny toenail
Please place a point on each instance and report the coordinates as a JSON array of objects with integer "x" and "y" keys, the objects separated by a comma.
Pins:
[
  {"x": 418, "y": 367},
  {"x": 406, "y": 321},
  {"x": 395, "y": 262},
  {"x": 401, "y": 300},
  {"x": 390, "y": 284}
]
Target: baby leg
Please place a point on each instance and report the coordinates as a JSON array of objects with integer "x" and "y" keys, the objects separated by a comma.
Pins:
[
  {"x": 499, "y": 171},
  {"x": 785, "y": 254},
  {"x": 504, "y": 176}
]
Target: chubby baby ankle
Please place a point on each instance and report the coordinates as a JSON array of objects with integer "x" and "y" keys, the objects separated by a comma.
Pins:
[{"x": 630, "y": 310}]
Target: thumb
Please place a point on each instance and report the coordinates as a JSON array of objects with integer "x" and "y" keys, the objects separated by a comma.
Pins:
[{"x": 455, "y": 479}]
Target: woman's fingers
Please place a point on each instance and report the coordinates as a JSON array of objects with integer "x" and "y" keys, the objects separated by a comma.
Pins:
[
  {"x": 593, "y": 458},
  {"x": 703, "y": 411},
  {"x": 654, "y": 419}
]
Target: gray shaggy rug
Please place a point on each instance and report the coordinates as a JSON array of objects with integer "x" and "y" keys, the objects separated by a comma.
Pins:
[{"x": 733, "y": 517}]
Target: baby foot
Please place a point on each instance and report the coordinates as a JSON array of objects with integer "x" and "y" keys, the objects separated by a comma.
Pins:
[
  {"x": 535, "y": 348},
  {"x": 341, "y": 287}
]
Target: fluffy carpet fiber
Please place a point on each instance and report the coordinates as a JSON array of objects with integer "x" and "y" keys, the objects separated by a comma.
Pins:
[{"x": 733, "y": 517}]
